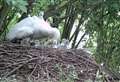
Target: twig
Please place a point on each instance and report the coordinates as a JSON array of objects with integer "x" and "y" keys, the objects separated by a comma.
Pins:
[
  {"x": 33, "y": 70},
  {"x": 19, "y": 67}
]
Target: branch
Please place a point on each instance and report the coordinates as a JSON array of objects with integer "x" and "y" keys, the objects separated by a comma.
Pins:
[{"x": 80, "y": 39}]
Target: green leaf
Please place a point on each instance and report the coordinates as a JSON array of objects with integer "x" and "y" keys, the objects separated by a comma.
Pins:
[
  {"x": 23, "y": 8},
  {"x": 8, "y": 2},
  {"x": 19, "y": 4}
]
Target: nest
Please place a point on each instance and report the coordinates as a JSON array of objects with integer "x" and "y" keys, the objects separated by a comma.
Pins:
[{"x": 46, "y": 63}]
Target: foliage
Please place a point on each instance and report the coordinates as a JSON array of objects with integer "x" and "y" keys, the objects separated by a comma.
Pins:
[
  {"x": 8, "y": 10},
  {"x": 104, "y": 22},
  {"x": 19, "y": 4},
  {"x": 102, "y": 26}
]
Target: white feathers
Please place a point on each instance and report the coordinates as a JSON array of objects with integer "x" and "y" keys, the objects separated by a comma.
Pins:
[
  {"x": 19, "y": 33},
  {"x": 55, "y": 34},
  {"x": 33, "y": 27}
]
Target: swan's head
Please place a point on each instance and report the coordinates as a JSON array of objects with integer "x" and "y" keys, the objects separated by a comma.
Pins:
[{"x": 55, "y": 34}]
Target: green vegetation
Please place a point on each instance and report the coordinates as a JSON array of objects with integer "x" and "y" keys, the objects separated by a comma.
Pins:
[{"x": 102, "y": 26}]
